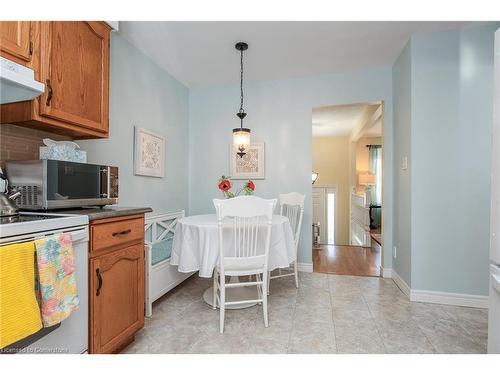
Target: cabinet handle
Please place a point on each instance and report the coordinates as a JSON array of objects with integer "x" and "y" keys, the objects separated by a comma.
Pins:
[
  {"x": 99, "y": 279},
  {"x": 49, "y": 92},
  {"x": 122, "y": 233}
]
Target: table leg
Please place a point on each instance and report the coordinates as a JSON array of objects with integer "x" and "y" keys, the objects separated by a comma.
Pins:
[{"x": 234, "y": 294}]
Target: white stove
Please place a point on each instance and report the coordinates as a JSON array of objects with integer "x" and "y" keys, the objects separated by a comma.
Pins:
[{"x": 72, "y": 334}]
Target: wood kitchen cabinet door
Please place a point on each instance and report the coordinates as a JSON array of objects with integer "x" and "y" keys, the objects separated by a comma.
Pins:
[
  {"x": 116, "y": 298},
  {"x": 74, "y": 65},
  {"x": 15, "y": 41}
]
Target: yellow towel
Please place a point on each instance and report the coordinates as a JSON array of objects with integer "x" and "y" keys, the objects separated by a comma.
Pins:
[{"x": 19, "y": 311}]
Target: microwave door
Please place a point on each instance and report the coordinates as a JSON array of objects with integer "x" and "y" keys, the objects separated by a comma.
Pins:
[{"x": 69, "y": 181}]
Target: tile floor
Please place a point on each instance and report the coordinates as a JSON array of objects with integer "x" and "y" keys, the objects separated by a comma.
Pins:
[{"x": 327, "y": 314}]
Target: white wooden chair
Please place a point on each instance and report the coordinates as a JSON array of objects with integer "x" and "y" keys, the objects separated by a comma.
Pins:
[
  {"x": 291, "y": 206},
  {"x": 245, "y": 222}
]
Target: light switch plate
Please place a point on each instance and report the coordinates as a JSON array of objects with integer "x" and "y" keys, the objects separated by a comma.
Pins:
[
  {"x": 404, "y": 163},
  {"x": 394, "y": 252}
]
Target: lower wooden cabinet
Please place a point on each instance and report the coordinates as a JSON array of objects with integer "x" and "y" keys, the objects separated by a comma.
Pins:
[{"x": 116, "y": 291}]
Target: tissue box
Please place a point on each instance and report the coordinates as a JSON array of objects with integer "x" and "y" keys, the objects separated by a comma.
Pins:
[{"x": 63, "y": 153}]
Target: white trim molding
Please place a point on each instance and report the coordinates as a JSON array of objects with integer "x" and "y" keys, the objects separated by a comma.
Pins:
[
  {"x": 442, "y": 298},
  {"x": 305, "y": 267},
  {"x": 386, "y": 272},
  {"x": 445, "y": 298},
  {"x": 401, "y": 283}
]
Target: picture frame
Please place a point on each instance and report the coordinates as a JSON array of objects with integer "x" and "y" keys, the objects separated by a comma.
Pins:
[
  {"x": 251, "y": 165},
  {"x": 149, "y": 153}
]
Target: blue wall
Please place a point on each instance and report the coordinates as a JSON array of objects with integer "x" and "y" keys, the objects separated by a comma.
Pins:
[
  {"x": 279, "y": 114},
  {"x": 401, "y": 86},
  {"x": 143, "y": 94},
  {"x": 452, "y": 117},
  {"x": 442, "y": 88}
]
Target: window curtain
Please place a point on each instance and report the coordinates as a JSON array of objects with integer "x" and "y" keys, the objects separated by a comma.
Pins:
[
  {"x": 375, "y": 160},
  {"x": 375, "y": 164}
]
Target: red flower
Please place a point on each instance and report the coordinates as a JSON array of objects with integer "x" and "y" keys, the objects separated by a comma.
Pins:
[
  {"x": 224, "y": 185},
  {"x": 251, "y": 185}
]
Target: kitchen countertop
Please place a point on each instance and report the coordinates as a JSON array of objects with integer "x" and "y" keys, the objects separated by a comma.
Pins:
[{"x": 96, "y": 213}]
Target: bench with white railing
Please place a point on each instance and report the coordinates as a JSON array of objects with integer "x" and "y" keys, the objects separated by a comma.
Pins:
[{"x": 160, "y": 275}]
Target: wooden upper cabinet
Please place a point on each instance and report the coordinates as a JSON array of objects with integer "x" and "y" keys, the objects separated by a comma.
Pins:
[
  {"x": 72, "y": 59},
  {"x": 15, "y": 41},
  {"x": 74, "y": 67}
]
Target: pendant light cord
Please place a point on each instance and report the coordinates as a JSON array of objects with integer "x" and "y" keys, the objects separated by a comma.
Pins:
[{"x": 241, "y": 86}]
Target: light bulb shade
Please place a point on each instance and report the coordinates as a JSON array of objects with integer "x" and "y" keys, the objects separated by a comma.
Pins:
[
  {"x": 314, "y": 177},
  {"x": 366, "y": 178},
  {"x": 241, "y": 137}
]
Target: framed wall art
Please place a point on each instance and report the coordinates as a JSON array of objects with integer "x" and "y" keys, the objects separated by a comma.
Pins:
[
  {"x": 251, "y": 165},
  {"x": 149, "y": 153}
]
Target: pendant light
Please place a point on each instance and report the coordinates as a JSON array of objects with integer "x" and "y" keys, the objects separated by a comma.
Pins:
[{"x": 241, "y": 135}]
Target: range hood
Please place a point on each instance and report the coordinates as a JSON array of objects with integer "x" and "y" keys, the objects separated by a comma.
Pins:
[{"x": 17, "y": 82}]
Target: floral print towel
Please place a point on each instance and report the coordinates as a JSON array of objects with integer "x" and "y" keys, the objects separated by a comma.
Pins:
[{"x": 56, "y": 278}]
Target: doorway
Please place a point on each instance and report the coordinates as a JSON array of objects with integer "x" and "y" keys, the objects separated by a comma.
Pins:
[{"x": 347, "y": 191}]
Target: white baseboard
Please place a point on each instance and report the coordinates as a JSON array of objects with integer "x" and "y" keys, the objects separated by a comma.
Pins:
[
  {"x": 401, "y": 283},
  {"x": 442, "y": 298},
  {"x": 305, "y": 267},
  {"x": 386, "y": 272},
  {"x": 445, "y": 298}
]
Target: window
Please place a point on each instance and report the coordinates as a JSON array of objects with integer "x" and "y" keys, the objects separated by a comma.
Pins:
[{"x": 376, "y": 169}]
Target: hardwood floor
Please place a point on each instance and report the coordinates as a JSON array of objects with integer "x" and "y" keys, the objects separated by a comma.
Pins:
[{"x": 347, "y": 260}]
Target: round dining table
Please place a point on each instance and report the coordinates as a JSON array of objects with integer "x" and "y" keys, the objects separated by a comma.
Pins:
[{"x": 196, "y": 248}]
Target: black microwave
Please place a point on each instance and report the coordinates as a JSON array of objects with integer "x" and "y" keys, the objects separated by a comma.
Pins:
[{"x": 52, "y": 184}]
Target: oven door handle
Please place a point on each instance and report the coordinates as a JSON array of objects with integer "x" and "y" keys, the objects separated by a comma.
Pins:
[
  {"x": 79, "y": 235},
  {"x": 76, "y": 235}
]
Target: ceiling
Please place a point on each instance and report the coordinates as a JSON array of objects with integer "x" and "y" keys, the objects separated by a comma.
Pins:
[
  {"x": 340, "y": 120},
  {"x": 202, "y": 53}
]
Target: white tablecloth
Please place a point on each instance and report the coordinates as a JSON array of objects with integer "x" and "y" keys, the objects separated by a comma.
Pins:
[{"x": 196, "y": 244}]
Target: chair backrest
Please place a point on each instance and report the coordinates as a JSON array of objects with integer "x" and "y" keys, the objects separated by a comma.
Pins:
[
  {"x": 292, "y": 206},
  {"x": 248, "y": 220}
]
